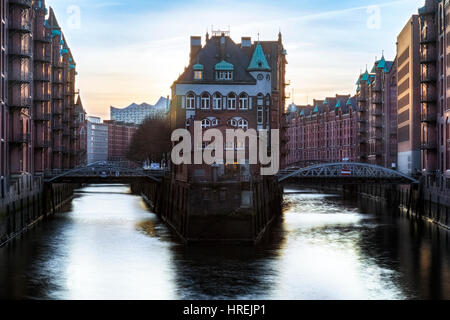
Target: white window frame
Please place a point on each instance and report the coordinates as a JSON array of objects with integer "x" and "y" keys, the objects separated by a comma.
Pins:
[
  {"x": 190, "y": 101},
  {"x": 206, "y": 123},
  {"x": 198, "y": 75},
  {"x": 205, "y": 101},
  {"x": 243, "y": 101},
  {"x": 224, "y": 75},
  {"x": 232, "y": 100},
  {"x": 243, "y": 124},
  {"x": 217, "y": 101}
]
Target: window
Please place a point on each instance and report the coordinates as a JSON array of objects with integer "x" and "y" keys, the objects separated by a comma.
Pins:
[
  {"x": 232, "y": 101},
  {"x": 243, "y": 101},
  {"x": 224, "y": 75},
  {"x": 239, "y": 123},
  {"x": 243, "y": 124},
  {"x": 206, "y": 123},
  {"x": 198, "y": 75},
  {"x": 205, "y": 100},
  {"x": 217, "y": 101},
  {"x": 190, "y": 101},
  {"x": 260, "y": 115},
  {"x": 260, "y": 99},
  {"x": 210, "y": 122}
]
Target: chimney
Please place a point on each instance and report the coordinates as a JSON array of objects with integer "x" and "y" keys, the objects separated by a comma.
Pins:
[
  {"x": 196, "y": 45},
  {"x": 246, "y": 42}
]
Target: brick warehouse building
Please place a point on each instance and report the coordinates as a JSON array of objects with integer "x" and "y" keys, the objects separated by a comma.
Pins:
[
  {"x": 119, "y": 138},
  {"x": 41, "y": 123},
  {"x": 323, "y": 132},
  {"x": 229, "y": 85},
  {"x": 376, "y": 97}
]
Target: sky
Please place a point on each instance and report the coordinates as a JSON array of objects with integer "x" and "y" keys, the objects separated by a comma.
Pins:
[{"x": 131, "y": 51}]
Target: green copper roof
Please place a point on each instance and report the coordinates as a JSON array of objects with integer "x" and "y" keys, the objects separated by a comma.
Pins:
[
  {"x": 349, "y": 102},
  {"x": 55, "y": 32},
  {"x": 325, "y": 101},
  {"x": 259, "y": 61},
  {"x": 198, "y": 67},
  {"x": 224, "y": 66},
  {"x": 71, "y": 66},
  {"x": 338, "y": 104},
  {"x": 316, "y": 109},
  {"x": 365, "y": 76},
  {"x": 302, "y": 113},
  {"x": 382, "y": 63},
  {"x": 64, "y": 51}
]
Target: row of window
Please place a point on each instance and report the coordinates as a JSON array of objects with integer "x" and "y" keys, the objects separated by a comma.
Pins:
[
  {"x": 235, "y": 122},
  {"x": 217, "y": 101}
]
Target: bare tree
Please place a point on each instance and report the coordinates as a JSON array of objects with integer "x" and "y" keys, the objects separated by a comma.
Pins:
[{"x": 151, "y": 141}]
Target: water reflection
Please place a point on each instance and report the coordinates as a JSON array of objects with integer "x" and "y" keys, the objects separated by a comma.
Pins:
[{"x": 107, "y": 245}]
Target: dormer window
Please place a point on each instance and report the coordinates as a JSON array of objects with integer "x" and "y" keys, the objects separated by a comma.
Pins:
[
  {"x": 198, "y": 75},
  {"x": 224, "y": 75},
  {"x": 198, "y": 71},
  {"x": 224, "y": 71}
]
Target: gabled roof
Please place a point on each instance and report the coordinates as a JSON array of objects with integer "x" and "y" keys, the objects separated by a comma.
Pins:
[
  {"x": 338, "y": 104},
  {"x": 198, "y": 67},
  {"x": 258, "y": 61},
  {"x": 224, "y": 66}
]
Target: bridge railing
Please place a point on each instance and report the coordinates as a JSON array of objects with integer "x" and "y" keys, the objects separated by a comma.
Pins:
[{"x": 345, "y": 170}]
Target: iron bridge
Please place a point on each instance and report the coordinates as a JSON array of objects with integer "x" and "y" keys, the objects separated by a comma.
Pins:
[
  {"x": 345, "y": 172},
  {"x": 106, "y": 172}
]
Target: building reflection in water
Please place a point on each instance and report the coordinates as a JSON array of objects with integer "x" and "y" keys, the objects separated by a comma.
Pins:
[{"x": 106, "y": 245}]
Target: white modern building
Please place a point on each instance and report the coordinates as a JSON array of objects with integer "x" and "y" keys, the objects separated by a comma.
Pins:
[
  {"x": 97, "y": 140},
  {"x": 137, "y": 113}
]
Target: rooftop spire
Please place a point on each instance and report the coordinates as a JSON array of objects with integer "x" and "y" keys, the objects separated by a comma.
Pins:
[{"x": 258, "y": 61}]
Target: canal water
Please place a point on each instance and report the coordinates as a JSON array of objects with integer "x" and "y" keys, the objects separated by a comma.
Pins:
[{"x": 107, "y": 245}]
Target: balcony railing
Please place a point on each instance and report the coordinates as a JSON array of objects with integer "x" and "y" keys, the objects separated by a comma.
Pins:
[
  {"x": 43, "y": 117},
  {"x": 20, "y": 103},
  {"x": 58, "y": 96},
  {"x": 377, "y": 101},
  {"x": 43, "y": 38},
  {"x": 20, "y": 138},
  {"x": 22, "y": 3},
  {"x": 58, "y": 64},
  {"x": 59, "y": 149},
  {"x": 361, "y": 99},
  {"x": 427, "y": 98},
  {"x": 427, "y": 39},
  {"x": 377, "y": 113},
  {"x": 58, "y": 80},
  {"x": 21, "y": 51},
  {"x": 42, "y": 97},
  {"x": 427, "y": 57},
  {"x": 428, "y": 78},
  {"x": 428, "y": 145},
  {"x": 42, "y": 77},
  {"x": 428, "y": 117},
  {"x": 42, "y": 144},
  {"x": 20, "y": 26},
  {"x": 22, "y": 77},
  {"x": 57, "y": 127},
  {"x": 47, "y": 57}
]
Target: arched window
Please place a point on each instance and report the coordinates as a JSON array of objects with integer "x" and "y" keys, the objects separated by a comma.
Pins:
[
  {"x": 206, "y": 123},
  {"x": 268, "y": 100},
  {"x": 260, "y": 99},
  {"x": 243, "y": 124},
  {"x": 243, "y": 101},
  {"x": 190, "y": 101},
  {"x": 205, "y": 101},
  {"x": 231, "y": 101},
  {"x": 217, "y": 101}
]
